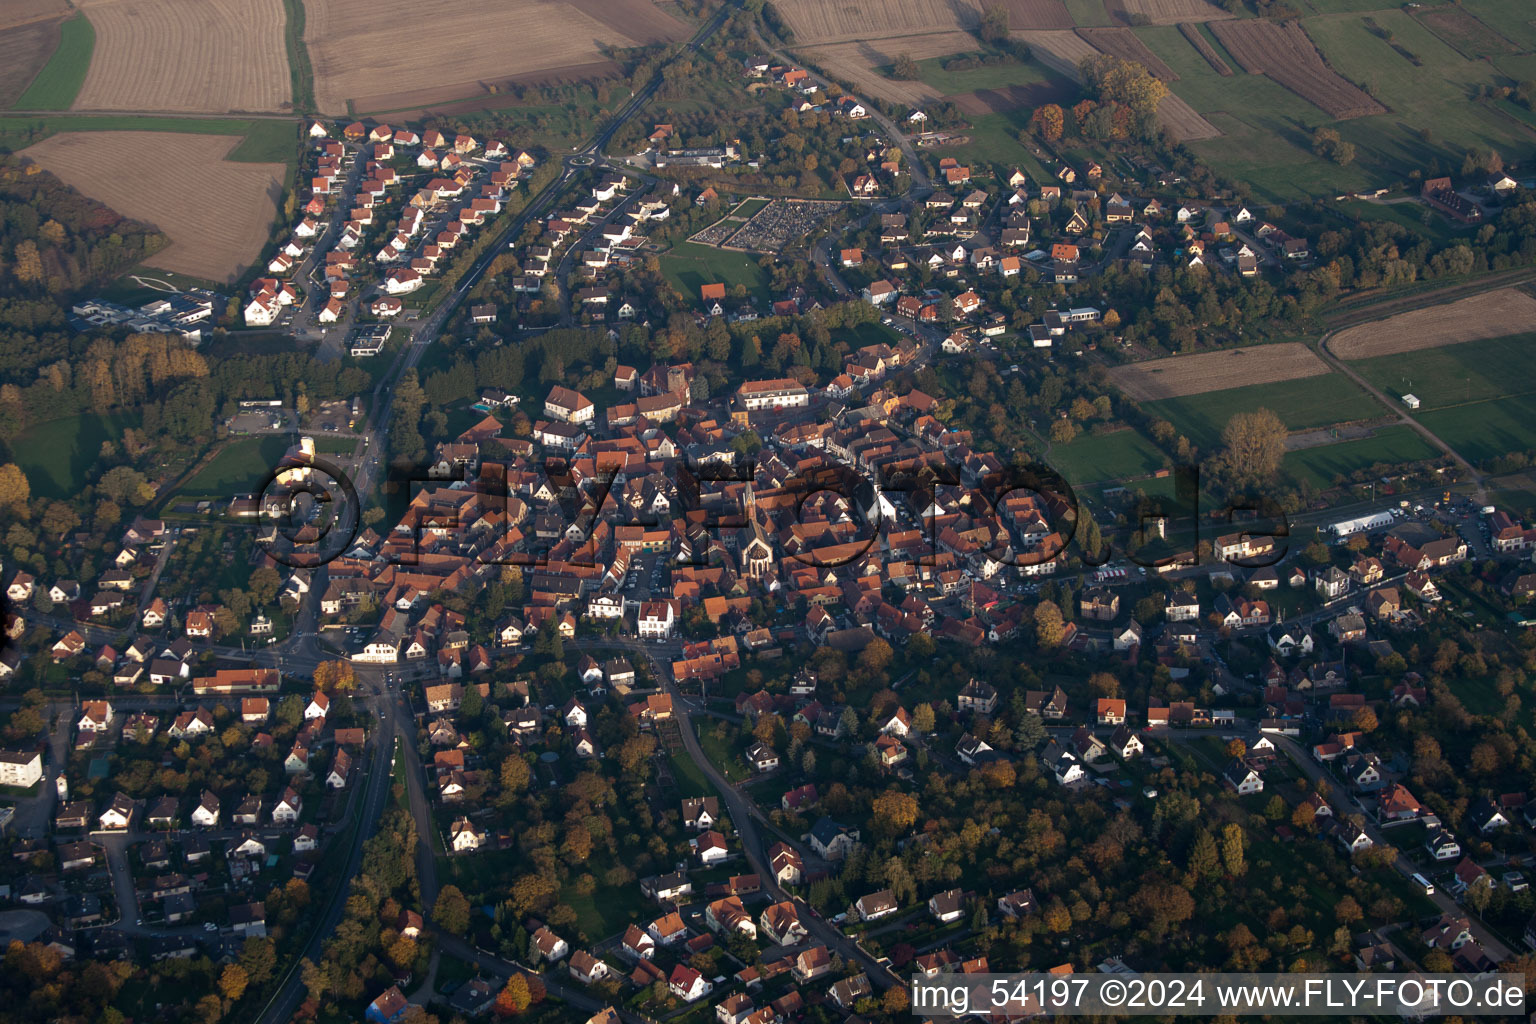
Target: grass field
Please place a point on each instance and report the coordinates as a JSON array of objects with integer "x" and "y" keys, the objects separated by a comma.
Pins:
[
  {"x": 262, "y": 141},
  {"x": 689, "y": 266},
  {"x": 1000, "y": 76},
  {"x": 268, "y": 142},
  {"x": 1300, "y": 404},
  {"x": 995, "y": 143},
  {"x": 1393, "y": 445},
  {"x": 1485, "y": 430},
  {"x": 57, "y": 85},
  {"x": 1122, "y": 455},
  {"x": 300, "y": 70},
  {"x": 1437, "y": 229},
  {"x": 1455, "y": 375},
  {"x": 57, "y": 455},
  {"x": 240, "y": 467}
]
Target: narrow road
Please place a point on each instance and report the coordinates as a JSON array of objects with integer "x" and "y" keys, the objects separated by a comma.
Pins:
[
  {"x": 1395, "y": 407},
  {"x": 1345, "y": 803}
]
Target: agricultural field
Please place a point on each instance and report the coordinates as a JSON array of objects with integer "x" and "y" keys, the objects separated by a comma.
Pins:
[
  {"x": 1123, "y": 43},
  {"x": 1388, "y": 446},
  {"x": 375, "y": 54},
  {"x": 1181, "y": 376},
  {"x": 1490, "y": 315},
  {"x": 205, "y": 56},
  {"x": 1285, "y": 53},
  {"x": 1167, "y": 12},
  {"x": 24, "y": 53},
  {"x": 218, "y": 217},
  {"x": 25, "y": 12},
  {"x": 1514, "y": 19},
  {"x": 1192, "y": 32},
  {"x": 817, "y": 22},
  {"x": 1464, "y": 32},
  {"x": 860, "y": 63},
  {"x": 1303, "y": 404}
]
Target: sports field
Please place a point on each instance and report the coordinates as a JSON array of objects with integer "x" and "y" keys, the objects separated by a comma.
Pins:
[
  {"x": 1300, "y": 404},
  {"x": 690, "y": 266},
  {"x": 1390, "y": 446},
  {"x": 1122, "y": 455},
  {"x": 1485, "y": 430},
  {"x": 1456, "y": 375},
  {"x": 240, "y": 467}
]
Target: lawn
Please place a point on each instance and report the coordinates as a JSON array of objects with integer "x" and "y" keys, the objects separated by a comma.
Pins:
[
  {"x": 1122, "y": 455},
  {"x": 866, "y": 334},
  {"x": 995, "y": 144},
  {"x": 1486, "y": 430},
  {"x": 1392, "y": 445},
  {"x": 58, "y": 455},
  {"x": 1454, "y": 375},
  {"x": 608, "y": 910},
  {"x": 1300, "y": 404},
  {"x": 689, "y": 777},
  {"x": 722, "y": 754},
  {"x": 240, "y": 467},
  {"x": 689, "y": 266},
  {"x": 56, "y": 86}
]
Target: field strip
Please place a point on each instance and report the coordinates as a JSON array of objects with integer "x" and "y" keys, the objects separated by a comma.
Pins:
[
  {"x": 1180, "y": 376},
  {"x": 1490, "y": 315}
]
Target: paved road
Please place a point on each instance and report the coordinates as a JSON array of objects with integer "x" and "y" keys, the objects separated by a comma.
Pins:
[{"x": 1344, "y": 802}]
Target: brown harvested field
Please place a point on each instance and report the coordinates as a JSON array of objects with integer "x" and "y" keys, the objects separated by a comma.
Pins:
[
  {"x": 1284, "y": 52},
  {"x": 1060, "y": 50},
  {"x": 217, "y": 214},
  {"x": 1183, "y": 121},
  {"x": 815, "y": 22},
  {"x": 24, "y": 12},
  {"x": 376, "y": 51},
  {"x": 23, "y": 52},
  {"x": 451, "y": 101},
  {"x": 1464, "y": 32},
  {"x": 199, "y": 56},
  {"x": 1123, "y": 43},
  {"x": 856, "y": 63},
  {"x": 1179, "y": 376},
  {"x": 1490, "y": 315},
  {"x": 1190, "y": 31},
  {"x": 640, "y": 20},
  {"x": 1168, "y": 12},
  {"x": 1037, "y": 14},
  {"x": 996, "y": 101}
]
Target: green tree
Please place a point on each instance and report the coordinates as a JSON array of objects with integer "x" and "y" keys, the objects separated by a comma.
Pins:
[
  {"x": 15, "y": 490},
  {"x": 1232, "y": 845},
  {"x": 451, "y": 911}
]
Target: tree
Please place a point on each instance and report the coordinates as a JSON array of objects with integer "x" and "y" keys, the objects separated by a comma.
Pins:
[
  {"x": 15, "y": 490},
  {"x": 232, "y": 982},
  {"x": 514, "y": 997},
  {"x": 1203, "y": 860},
  {"x": 1304, "y": 817},
  {"x": 895, "y": 1000},
  {"x": 1236, "y": 748},
  {"x": 1048, "y": 122},
  {"x": 922, "y": 717},
  {"x": 1347, "y": 911},
  {"x": 894, "y": 811},
  {"x": 905, "y": 68},
  {"x": 1254, "y": 445},
  {"x": 451, "y": 910},
  {"x": 1232, "y": 843},
  {"x": 876, "y": 657},
  {"x": 472, "y": 704},
  {"x": 1364, "y": 720},
  {"x": 1103, "y": 684},
  {"x": 259, "y": 958},
  {"x": 1049, "y": 629},
  {"x": 993, "y": 29},
  {"x": 335, "y": 677}
]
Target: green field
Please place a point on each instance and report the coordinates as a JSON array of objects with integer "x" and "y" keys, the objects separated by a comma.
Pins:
[
  {"x": 689, "y": 266},
  {"x": 1267, "y": 130},
  {"x": 995, "y": 144},
  {"x": 240, "y": 467},
  {"x": 1485, "y": 430},
  {"x": 1454, "y": 375},
  {"x": 58, "y": 455},
  {"x": 999, "y": 76},
  {"x": 1392, "y": 446},
  {"x": 268, "y": 142},
  {"x": 1411, "y": 215},
  {"x": 1300, "y": 404},
  {"x": 57, "y": 85},
  {"x": 1510, "y": 18},
  {"x": 1122, "y": 455},
  {"x": 301, "y": 72}
]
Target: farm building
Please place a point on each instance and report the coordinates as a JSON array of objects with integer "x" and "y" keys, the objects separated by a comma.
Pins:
[{"x": 1411, "y": 401}]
